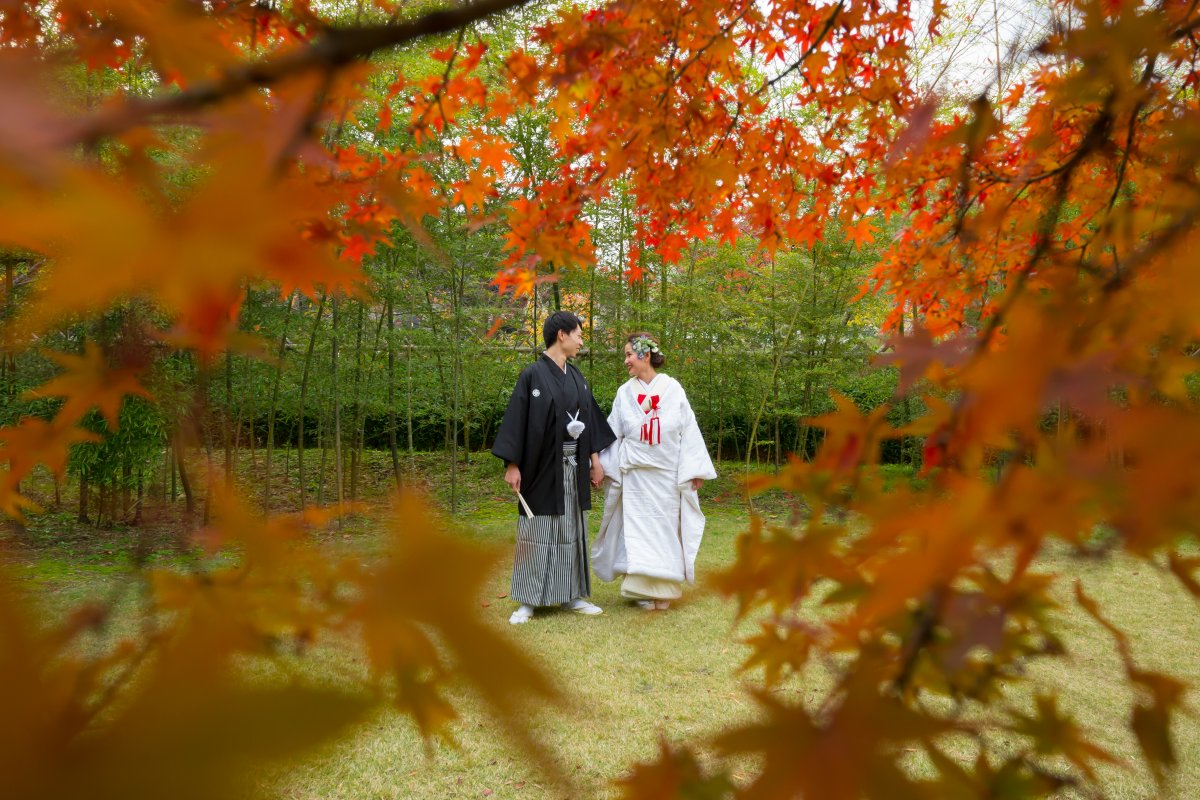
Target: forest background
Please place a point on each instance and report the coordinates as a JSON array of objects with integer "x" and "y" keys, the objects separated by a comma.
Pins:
[
  {"x": 250, "y": 245},
  {"x": 422, "y": 357}
]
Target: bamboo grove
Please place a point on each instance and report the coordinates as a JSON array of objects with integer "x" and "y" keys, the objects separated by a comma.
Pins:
[
  {"x": 233, "y": 225},
  {"x": 416, "y": 369}
]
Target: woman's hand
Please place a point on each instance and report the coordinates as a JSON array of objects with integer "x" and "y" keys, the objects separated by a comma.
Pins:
[
  {"x": 697, "y": 483},
  {"x": 512, "y": 476},
  {"x": 597, "y": 471}
]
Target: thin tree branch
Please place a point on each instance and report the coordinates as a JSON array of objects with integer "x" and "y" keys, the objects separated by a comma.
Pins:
[{"x": 333, "y": 49}]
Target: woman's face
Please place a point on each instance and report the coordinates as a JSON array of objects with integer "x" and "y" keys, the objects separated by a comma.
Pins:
[{"x": 636, "y": 367}]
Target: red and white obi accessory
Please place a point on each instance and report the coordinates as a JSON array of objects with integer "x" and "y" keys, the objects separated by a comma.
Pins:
[{"x": 652, "y": 427}]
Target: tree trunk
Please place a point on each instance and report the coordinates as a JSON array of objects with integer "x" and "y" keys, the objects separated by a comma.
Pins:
[
  {"x": 250, "y": 415},
  {"x": 280, "y": 356},
  {"x": 8, "y": 361},
  {"x": 720, "y": 425},
  {"x": 337, "y": 409},
  {"x": 226, "y": 418},
  {"x": 592, "y": 322},
  {"x": 102, "y": 504},
  {"x": 905, "y": 409},
  {"x": 357, "y": 419},
  {"x": 391, "y": 391},
  {"x": 203, "y": 427},
  {"x": 455, "y": 384},
  {"x": 308, "y": 356},
  {"x": 778, "y": 443},
  {"x": 323, "y": 443},
  {"x": 237, "y": 431},
  {"x": 184, "y": 482},
  {"x": 126, "y": 489},
  {"x": 137, "y": 509},
  {"x": 448, "y": 389},
  {"x": 83, "y": 498},
  {"x": 361, "y": 445},
  {"x": 408, "y": 412}
]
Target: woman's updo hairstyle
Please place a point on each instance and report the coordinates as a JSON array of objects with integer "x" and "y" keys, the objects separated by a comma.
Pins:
[{"x": 642, "y": 343}]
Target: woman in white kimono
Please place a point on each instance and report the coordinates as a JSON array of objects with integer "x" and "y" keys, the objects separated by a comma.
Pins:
[{"x": 652, "y": 522}]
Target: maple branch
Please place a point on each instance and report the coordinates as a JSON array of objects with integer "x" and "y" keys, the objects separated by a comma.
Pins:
[
  {"x": 1046, "y": 227},
  {"x": 1184, "y": 31},
  {"x": 737, "y": 115},
  {"x": 123, "y": 678},
  {"x": 1156, "y": 245},
  {"x": 1147, "y": 74},
  {"x": 446, "y": 82},
  {"x": 1095, "y": 137},
  {"x": 820, "y": 38},
  {"x": 671, "y": 58},
  {"x": 1131, "y": 129},
  {"x": 931, "y": 611},
  {"x": 151, "y": 634},
  {"x": 309, "y": 124},
  {"x": 673, "y": 77},
  {"x": 332, "y": 50}
]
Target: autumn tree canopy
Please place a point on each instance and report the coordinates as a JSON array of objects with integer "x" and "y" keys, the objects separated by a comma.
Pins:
[{"x": 175, "y": 153}]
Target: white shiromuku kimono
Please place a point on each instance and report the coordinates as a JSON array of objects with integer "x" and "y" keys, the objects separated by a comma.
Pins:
[{"x": 652, "y": 522}]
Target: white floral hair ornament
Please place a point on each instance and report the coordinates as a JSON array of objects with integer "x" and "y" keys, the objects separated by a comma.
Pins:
[{"x": 643, "y": 346}]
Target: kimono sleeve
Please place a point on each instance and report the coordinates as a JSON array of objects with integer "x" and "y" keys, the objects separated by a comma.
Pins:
[
  {"x": 610, "y": 457},
  {"x": 602, "y": 433},
  {"x": 510, "y": 438},
  {"x": 694, "y": 461}
]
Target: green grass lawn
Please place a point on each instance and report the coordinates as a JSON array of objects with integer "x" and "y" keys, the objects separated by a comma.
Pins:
[{"x": 634, "y": 676}]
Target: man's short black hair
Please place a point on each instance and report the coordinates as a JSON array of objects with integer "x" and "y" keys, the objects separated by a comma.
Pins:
[{"x": 563, "y": 321}]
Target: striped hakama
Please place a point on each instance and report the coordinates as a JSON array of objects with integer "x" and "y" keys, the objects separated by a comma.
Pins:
[{"x": 551, "y": 562}]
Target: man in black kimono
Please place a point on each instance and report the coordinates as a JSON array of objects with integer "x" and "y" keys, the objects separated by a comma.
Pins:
[{"x": 551, "y": 426}]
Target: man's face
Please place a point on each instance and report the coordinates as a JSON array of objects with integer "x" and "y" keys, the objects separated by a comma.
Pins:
[{"x": 571, "y": 342}]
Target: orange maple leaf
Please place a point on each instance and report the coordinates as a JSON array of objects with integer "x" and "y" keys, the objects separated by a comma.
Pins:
[
  {"x": 493, "y": 154},
  {"x": 861, "y": 233},
  {"x": 671, "y": 247},
  {"x": 12, "y": 502},
  {"x": 473, "y": 192},
  {"x": 518, "y": 280},
  {"x": 774, "y": 50},
  {"x": 495, "y": 326},
  {"x": 357, "y": 248},
  {"x": 1055, "y": 733},
  {"x": 88, "y": 381},
  {"x": 34, "y": 441}
]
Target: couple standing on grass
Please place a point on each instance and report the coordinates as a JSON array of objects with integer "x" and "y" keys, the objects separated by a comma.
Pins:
[{"x": 649, "y": 449}]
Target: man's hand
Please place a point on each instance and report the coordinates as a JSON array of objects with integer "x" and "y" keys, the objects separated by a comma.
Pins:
[
  {"x": 697, "y": 483},
  {"x": 512, "y": 476},
  {"x": 597, "y": 472}
]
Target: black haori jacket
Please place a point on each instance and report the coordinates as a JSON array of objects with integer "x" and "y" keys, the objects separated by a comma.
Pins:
[{"x": 532, "y": 432}]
